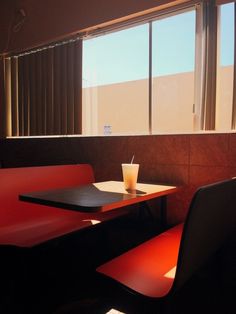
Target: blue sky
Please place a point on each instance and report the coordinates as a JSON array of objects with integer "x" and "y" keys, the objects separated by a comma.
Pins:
[
  {"x": 123, "y": 55},
  {"x": 227, "y": 34},
  {"x": 117, "y": 57}
]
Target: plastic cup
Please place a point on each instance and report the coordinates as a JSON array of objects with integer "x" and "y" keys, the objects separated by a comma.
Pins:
[{"x": 130, "y": 175}]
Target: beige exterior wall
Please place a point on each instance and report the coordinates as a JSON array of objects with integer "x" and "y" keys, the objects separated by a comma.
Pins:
[
  {"x": 224, "y": 98},
  {"x": 173, "y": 98},
  {"x": 124, "y": 106}
]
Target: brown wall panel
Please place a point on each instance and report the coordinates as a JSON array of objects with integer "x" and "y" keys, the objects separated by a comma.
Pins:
[
  {"x": 186, "y": 160},
  {"x": 232, "y": 171},
  {"x": 154, "y": 172},
  {"x": 201, "y": 175},
  {"x": 209, "y": 150},
  {"x": 232, "y": 149},
  {"x": 178, "y": 205},
  {"x": 161, "y": 149}
]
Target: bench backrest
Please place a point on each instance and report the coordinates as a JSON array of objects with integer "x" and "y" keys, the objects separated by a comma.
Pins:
[
  {"x": 14, "y": 181},
  {"x": 210, "y": 220}
]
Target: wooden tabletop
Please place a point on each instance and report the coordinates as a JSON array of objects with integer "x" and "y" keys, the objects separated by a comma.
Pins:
[{"x": 101, "y": 196}]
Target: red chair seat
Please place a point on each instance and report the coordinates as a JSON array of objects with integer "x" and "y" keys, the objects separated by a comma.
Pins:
[{"x": 150, "y": 267}]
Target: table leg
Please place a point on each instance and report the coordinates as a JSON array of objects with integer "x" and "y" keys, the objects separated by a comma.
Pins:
[
  {"x": 163, "y": 211},
  {"x": 144, "y": 208}
]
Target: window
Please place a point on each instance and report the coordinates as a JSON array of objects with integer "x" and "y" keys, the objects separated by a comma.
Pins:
[
  {"x": 115, "y": 82},
  {"x": 225, "y": 67},
  {"x": 117, "y": 71},
  {"x": 173, "y": 63}
]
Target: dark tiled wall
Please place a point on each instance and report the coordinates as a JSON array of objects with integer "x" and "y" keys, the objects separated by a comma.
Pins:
[{"x": 186, "y": 160}]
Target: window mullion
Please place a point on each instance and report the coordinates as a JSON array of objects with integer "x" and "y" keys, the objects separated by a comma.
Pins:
[
  {"x": 233, "y": 123},
  {"x": 150, "y": 79},
  {"x": 200, "y": 68}
]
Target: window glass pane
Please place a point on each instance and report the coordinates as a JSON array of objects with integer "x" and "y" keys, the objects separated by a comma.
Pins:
[
  {"x": 225, "y": 67},
  {"x": 173, "y": 73},
  {"x": 115, "y": 82}
]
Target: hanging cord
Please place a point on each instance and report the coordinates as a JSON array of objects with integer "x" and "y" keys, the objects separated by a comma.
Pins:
[
  {"x": 15, "y": 25},
  {"x": 20, "y": 20}
]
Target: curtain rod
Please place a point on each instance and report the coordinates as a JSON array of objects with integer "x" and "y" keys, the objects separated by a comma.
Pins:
[{"x": 50, "y": 46}]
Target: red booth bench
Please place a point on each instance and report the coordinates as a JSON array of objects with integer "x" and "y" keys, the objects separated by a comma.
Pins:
[{"x": 24, "y": 224}]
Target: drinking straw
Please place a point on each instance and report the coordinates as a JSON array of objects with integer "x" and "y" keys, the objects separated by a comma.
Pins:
[{"x": 132, "y": 159}]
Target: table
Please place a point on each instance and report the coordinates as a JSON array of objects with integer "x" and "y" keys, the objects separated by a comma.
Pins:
[{"x": 101, "y": 196}]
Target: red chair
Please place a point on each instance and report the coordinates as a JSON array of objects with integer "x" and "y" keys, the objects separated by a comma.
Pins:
[{"x": 162, "y": 265}]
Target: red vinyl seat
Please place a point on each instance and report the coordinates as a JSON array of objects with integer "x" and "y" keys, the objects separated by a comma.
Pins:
[
  {"x": 164, "y": 263},
  {"x": 149, "y": 268},
  {"x": 24, "y": 224}
]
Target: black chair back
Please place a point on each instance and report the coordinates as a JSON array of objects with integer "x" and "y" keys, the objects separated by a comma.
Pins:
[{"x": 210, "y": 221}]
